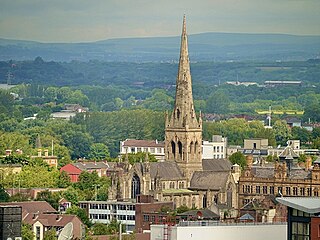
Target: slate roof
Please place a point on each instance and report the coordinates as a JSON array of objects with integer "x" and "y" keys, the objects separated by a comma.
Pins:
[
  {"x": 209, "y": 180},
  {"x": 142, "y": 143},
  {"x": 204, "y": 213},
  {"x": 299, "y": 173},
  {"x": 216, "y": 165},
  {"x": 268, "y": 172},
  {"x": 263, "y": 172},
  {"x": 93, "y": 165},
  {"x": 165, "y": 170},
  {"x": 247, "y": 216}
]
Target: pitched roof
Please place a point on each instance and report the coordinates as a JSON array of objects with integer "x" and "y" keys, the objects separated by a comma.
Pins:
[
  {"x": 93, "y": 165},
  {"x": 209, "y": 180},
  {"x": 263, "y": 172},
  {"x": 246, "y": 216},
  {"x": 204, "y": 214},
  {"x": 305, "y": 204},
  {"x": 32, "y": 206},
  {"x": 287, "y": 153},
  {"x": 268, "y": 172},
  {"x": 164, "y": 170},
  {"x": 56, "y": 220},
  {"x": 142, "y": 143},
  {"x": 216, "y": 165}
]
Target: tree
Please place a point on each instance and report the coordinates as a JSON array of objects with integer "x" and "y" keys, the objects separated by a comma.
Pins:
[
  {"x": 51, "y": 198},
  {"x": 4, "y": 196},
  {"x": 71, "y": 195},
  {"x": 26, "y": 232},
  {"x": 99, "y": 151},
  {"x": 63, "y": 180},
  {"x": 81, "y": 213},
  {"x": 100, "y": 229},
  {"x": 50, "y": 234},
  {"x": 182, "y": 209},
  {"x": 218, "y": 103},
  {"x": 139, "y": 157},
  {"x": 282, "y": 132},
  {"x": 78, "y": 143},
  {"x": 238, "y": 158},
  {"x": 302, "y": 134}
]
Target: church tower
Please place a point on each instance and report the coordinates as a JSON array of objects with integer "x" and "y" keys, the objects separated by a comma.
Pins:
[{"x": 183, "y": 133}]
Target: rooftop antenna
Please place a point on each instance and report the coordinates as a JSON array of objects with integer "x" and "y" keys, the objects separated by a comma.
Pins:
[{"x": 51, "y": 147}]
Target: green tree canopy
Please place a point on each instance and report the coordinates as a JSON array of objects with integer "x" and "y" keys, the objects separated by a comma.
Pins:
[{"x": 238, "y": 158}]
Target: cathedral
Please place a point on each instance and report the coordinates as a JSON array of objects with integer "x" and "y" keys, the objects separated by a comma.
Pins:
[{"x": 183, "y": 177}]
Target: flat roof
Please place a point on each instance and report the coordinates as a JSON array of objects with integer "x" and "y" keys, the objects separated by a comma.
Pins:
[{"x": 305, "y": 204}]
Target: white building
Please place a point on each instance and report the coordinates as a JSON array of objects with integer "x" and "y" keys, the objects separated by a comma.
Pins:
[
  {"x": 216, "y": 149},
  {"x": 106, "y": 211},
  {"x": 153, "y": 147},
  {"x": 202, "y": 230}
]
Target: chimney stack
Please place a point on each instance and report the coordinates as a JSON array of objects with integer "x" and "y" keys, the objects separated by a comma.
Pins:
[
  {"x": 39, "y": 152},
  {"x": 8, "y": 152},
  {"x": 46, "y": 152}
]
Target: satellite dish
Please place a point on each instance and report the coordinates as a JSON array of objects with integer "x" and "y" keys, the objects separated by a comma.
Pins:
[{"x": 67, "y": 232}]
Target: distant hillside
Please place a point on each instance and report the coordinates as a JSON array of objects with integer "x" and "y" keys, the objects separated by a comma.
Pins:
[{"x": 203, "y": 47}]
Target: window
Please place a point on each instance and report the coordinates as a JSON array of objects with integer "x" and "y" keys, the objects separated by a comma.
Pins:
[
  {"x": 309, "y": 191},
  {"x": 302, "y": 191},
  {"x": 271, "y": 189},
  {"x": 265, "y": 189},
  {"x": 139, "y": 149},
  {"x": 279, "y": 190},
  {"x": 38, "y": 233},
  {"x": 295, "y": 191},
  {"x": 288, "y": 191},
  {"x": 214, "y": 148},
  {"x": 300, "y": 230},
  {"x": 159, "y": 150},
  {"x": 258, "y": 189},
  {"x": 146, "y": 218},
  {"x": 152, "y": 150},
  {"x": 133, "y": 150}
]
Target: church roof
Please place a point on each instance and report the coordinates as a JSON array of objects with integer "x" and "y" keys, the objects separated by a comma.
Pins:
[
  {"x": 165, "y": 170},
  {"x": 216, "y": 165},
  {"x": 209, "y": 180}
]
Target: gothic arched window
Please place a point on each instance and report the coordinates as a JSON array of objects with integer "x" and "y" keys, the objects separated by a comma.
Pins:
[
  {"x": 173, "y": 148},
  {"x": 135, "y": 186},
  {"x": 191, "y": 148},
  {"x": 180, "y": 149}
]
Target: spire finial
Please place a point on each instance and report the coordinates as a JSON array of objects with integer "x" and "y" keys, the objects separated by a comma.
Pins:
[{"x": 184, "y": 25}]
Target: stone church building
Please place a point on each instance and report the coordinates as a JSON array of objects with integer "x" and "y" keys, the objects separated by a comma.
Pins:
[{"x": 183, "y": 177}]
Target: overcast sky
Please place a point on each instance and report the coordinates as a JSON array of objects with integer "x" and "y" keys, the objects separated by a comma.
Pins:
[{"x": 92, "y": 20}]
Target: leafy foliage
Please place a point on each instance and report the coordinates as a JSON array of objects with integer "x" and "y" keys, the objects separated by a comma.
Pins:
[{"x": 238, "y": 158}]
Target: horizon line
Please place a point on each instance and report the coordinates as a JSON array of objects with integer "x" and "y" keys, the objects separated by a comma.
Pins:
[{"x": 144, "y": 37}]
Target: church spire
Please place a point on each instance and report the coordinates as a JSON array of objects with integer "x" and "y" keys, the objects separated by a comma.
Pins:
[
  {"x": 183, "y": 135},
  {"x": 184, "y": 114}
]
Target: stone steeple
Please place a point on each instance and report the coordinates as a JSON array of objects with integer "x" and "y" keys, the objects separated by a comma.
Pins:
[{"x": 183, "y": 129}]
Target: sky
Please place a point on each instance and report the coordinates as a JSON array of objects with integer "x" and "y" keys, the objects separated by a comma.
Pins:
[{"x": 93, "y": 20}]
